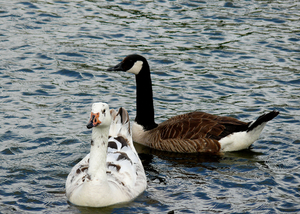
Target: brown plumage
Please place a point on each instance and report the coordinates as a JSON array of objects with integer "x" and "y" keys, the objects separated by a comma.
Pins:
[{"x": 192, "y": 132}]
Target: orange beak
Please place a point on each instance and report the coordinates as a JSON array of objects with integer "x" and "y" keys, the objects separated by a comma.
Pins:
[{"x": 94, "y": 120}]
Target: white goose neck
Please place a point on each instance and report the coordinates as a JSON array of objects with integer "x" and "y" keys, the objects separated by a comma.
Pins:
[{"x": 98, "y": 153}]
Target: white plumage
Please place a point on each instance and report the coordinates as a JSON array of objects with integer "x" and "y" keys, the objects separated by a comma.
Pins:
[
  {"x": 241, "y": 140},
  {"x": 112, "y": 173}
]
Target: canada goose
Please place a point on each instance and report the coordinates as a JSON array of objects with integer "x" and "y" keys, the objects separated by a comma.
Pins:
[
  {"x": 191, "y": 132},
  {"x": 112, "y": 172}
]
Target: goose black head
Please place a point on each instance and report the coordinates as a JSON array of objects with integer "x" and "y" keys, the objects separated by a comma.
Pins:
[{"x": 132, "y": 63}]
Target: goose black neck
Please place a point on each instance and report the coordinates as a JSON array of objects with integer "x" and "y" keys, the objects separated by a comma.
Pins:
[{"x": 144, "y": 99}]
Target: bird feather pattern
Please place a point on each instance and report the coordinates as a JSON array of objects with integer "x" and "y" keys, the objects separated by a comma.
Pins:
[
  {"x": 194, "y": 132},
  {"x": 124, "y": 169}
]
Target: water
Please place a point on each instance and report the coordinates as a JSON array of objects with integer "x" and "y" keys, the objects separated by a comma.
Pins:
[{"x": 229, "y": 58}]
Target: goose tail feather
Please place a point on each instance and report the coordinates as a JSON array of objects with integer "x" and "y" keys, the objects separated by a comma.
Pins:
[
  {"x": 243, "y": 139},
  {"x": 262, "y": 119}
]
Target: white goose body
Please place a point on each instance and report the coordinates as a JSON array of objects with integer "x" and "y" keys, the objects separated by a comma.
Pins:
[
  {"x": 187, "y": 133},
  {"x": 112, "y": 172}
]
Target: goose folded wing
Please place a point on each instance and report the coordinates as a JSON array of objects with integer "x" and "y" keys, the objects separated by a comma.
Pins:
[{"x": 195, "y": 132}]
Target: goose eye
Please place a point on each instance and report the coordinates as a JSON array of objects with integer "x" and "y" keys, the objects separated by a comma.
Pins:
[{"x": 103, "y": 111}]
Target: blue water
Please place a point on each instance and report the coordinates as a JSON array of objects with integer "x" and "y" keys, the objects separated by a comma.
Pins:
[{"x": 238, "y": 58}]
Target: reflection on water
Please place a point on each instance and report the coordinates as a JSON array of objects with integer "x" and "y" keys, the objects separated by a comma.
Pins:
[{"x": 229, "y": 58}]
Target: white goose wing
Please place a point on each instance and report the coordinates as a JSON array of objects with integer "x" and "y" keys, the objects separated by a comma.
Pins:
[
  {"x": 124, "y": 168},
  {"x": 77, "y": 175}
]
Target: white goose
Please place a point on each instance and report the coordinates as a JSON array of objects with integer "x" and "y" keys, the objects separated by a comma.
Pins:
[
  {"x": 191, "y": 132},
  {"x": 112, "y": 173}
]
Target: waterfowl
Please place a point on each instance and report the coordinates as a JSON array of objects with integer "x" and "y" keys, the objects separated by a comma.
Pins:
[
  {"x": 112, "y": 172},
  {"x": 186, "y": 133}
]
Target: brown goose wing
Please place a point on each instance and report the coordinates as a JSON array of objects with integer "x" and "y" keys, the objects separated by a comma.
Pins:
[
  {"x": 194, "y": 132},
  {"x": 188, "y": 146},
  {"x": 203, "y": 115},
  {"x": 206, "y": 125}
]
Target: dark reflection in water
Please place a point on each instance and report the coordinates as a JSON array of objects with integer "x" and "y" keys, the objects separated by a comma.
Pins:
[{"x": 229, "y": 58}]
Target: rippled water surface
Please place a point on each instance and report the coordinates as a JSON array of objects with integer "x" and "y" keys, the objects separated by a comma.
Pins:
[{"x": 236, "y": 58}]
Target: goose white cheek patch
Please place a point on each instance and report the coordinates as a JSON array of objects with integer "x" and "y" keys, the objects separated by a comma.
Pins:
[{"x": 136, "y": 68}]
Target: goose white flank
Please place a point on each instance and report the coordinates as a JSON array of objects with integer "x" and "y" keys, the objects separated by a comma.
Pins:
[
  {"x": 186, "y": 133},
  {"x": 112, "y": 172}
]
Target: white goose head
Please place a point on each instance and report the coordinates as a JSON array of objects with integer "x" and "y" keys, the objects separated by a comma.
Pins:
[
  {"x": 100, "y": 116},
  {"x": 132, "y": 64}
]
